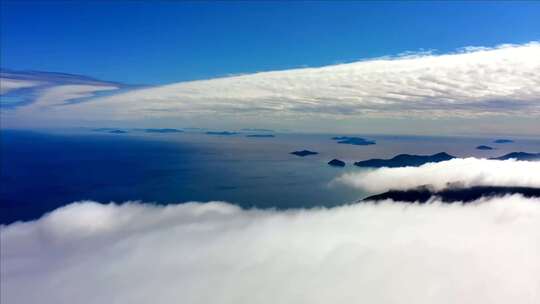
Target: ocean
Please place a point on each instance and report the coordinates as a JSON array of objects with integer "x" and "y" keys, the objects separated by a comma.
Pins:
[{"x": 43, "y": 170}]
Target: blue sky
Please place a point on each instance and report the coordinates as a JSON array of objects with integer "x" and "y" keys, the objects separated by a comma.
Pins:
[
  {"x": 127, "y": 50},
  {"x": 166, "y": 42}
]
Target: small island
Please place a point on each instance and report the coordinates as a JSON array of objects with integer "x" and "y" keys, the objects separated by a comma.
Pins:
[
  {"x": 425, "y": 194},
  {"x": 503, "y": 141},
  {"x": 405, "y": 160},
  {"x": 117, "y": 131},
  {"x": 482, "y": 147},
  {"x": 519, "y": 156},
  {"x": 261, "y": 135},
  {"x": 256, "y": 130},
  {"x": 304, "y": 153},
  {"x": 336, "y": 163},
  {"x": 164, "y": 130},
  {"x": 110, "y": 130},
  {"x": 224, "y": 133},
  {"x": 358, "y": 141}
]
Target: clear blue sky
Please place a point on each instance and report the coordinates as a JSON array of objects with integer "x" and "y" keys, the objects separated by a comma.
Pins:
[{"x": 164, "y": 42}]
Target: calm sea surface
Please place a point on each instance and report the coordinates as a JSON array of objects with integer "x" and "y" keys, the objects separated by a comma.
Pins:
[{"x": 42, "y": 171}]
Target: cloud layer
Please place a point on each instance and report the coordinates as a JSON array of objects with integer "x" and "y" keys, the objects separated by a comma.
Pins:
[
  {"x": 483, "y": 81},
  {"x": 41, "y": 92},
  {"x": 7, "y": 85},
  {"x": 466, "y": 172},
  {"x": 471, "y": 83},
  {"x": 486, "y": 252}
]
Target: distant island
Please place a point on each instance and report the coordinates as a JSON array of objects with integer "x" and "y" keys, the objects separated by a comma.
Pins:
[
  {"x": 256, "y": 130},
  {"x": 404, "y": 160},
  {"x": 519, "y": 156},
  {"x": 304, "y": 153},
  {"x": 503, "y": 141},
  {"x": 221, "y": 133},
  {"x": 358, "y": 141},
  {"x": 261, "y": 135},
  {"x": 110, "y": 130},
  {"x": 166, "y": 130},
  {"x": 118, "y": 131},
  {"x": 193, "y": 129},
  {"x": 482, "y": 147},
  {"x": 424, "y": 194},
  {"x": 336, "y": 163}
]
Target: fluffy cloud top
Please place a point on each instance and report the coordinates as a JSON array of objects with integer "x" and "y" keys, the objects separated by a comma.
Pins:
[
  {"x": 466, "y": 172},
  {"x": 486, "y": 252}
]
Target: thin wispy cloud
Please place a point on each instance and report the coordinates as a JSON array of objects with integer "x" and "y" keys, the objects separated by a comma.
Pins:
[
  {"x": 7, "y": 85},
  {"x": 41, "y": 91}
]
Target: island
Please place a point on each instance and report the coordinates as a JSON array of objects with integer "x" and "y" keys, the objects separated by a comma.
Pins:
[
  {"x": 304, "y": 153},
  {"x": 519, "y": 156},
  {"x": 336, "y": 163},
  {"x": 450, "y": 195},
  {"x": 109, "y": 130},
  {"x": 405, "y": 160},
  {"x": 358, "y": 141},
  {"x": 193, "y": 129},
  {"x": 165, "y": 130},
  {"x": 256, "y": 130},
  {"x": 482, "y": 147},
  {"x": 261, "y": 135},
  {"x": 117, "y": 131},
  {"x": 225, "y": 133},
  {"x": 503, "y": 141}
]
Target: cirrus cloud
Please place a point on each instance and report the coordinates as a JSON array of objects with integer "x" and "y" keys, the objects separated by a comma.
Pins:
[
  {"x": 7, "y": 84},
  {"x": 42, "y": 91}
]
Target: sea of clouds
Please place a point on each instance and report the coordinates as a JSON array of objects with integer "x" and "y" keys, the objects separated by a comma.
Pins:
[
  {"x": 385, "y": 252},
  {"x": 463, "y": 172},
  {"x": 485, "y": 252}
]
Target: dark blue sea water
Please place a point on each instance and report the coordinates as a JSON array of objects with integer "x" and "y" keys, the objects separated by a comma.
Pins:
[{"x": 41, "y": 171}]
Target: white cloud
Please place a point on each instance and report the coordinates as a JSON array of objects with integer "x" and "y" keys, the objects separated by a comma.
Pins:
[
  {"x": 7, "y": 85},
  {"x": 486, "y": 252},
  {"x": 51, "y": 89},
  {"x": 503, "y": 80},
  {"x": 50, "y": 102},
  {"x": 457, "y": 93},
  {"x": 58, "y": 95},
  {"x": 467, "y": 172}
]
